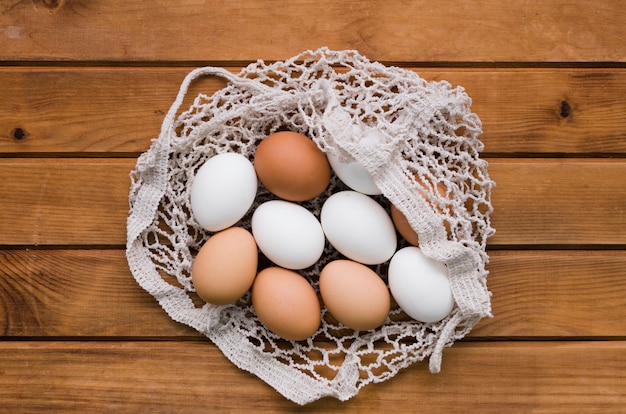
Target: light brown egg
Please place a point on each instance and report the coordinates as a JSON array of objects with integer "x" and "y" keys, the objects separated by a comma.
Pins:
[
  {"x": 354, "y": 294},
  {"x": 291, "y": 166},
  {"x": 225, "y": 267},
  {"x": 402, "y": 224},
  {"x": 286, "y": 303}
]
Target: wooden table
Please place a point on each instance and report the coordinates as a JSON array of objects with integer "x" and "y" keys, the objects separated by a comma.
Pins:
[{"x": 84, "y": 88}]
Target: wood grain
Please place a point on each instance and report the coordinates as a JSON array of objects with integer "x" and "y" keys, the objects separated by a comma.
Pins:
[
  {"x": 64, "y": 201},
  {"x": 555, "y": 111},
  {"x": 119, "y": 110},
  {"x": 86, "y": 85},
  {"x": 487, "y": 31},
  {"x": 77, "y": 293},
  {"x": 85, "y": 201},
  {"x": 558, "y": 202},
  {"x": 91, "y": 293},
  {"x": 83, "y": 110},
  {"x": 195, "y": 377},
  {"x": 556, "y": 294}
]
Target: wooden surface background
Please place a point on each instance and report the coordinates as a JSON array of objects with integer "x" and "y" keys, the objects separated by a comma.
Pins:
[{"x": 84, "y": 86}]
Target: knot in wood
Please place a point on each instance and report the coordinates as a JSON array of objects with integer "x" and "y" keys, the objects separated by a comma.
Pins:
[
  {"x": 19, "y": 134},
  {"x": 49, "y": 5},
  {"x": 565, "y": 110}
]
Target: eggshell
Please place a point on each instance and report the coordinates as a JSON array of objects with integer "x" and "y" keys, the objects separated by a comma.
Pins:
[
  {"x": 420, "y": 285},
  {"x": 288, "y": 234},
  {"x": 358, "y": 227},
  {"x": 286, "y": 303},
  {"x": 291, "y": 166},
  {"x": 353, "y": 174},
  {"x": 402, "y": 224},
  {"x": 354, "y": 294},
  {"x": 223, "y": 191},
  {"x": 225, "y": 267}
]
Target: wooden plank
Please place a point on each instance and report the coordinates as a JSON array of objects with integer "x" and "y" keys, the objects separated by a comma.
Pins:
[
  {"x": 488, "y": 31},
  {"x": 64, "y": 201},
  {"x": 559, "y": 202},
  {"x": 91, "y": 293},
  {"x": 119, "y": 110},
  {"x": 554, "y": 111},
  {"x": 195, "y": 377},
  {"x": 556, "y": 294},
  {"x": 77, "y": 293},
  {"x": 84, "y": 109},
  {"x": 537, "y": 202}
]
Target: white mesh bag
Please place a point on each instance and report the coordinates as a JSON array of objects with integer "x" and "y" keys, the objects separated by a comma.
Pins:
[{"x": 333, "y": 97}]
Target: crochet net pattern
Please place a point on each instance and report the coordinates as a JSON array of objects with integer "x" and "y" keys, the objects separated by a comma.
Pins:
[{"x": 430, "y": 136}]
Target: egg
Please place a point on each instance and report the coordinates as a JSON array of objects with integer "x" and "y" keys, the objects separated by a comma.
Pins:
[
  {"x": 286, "y": 303},
  {"x": 353, "y": 174},
  {"x": 225, "y": 266},
  {"x": 358, "y": 227},
  {"x": 291, "y": 166},
  {"x": 223, "y": 191},
  {"x": 402, "y": 224},
  {"x": 288, "y": 234},
  {"x": 420, "y": 285},
  {"x": 354, "y": 294}
]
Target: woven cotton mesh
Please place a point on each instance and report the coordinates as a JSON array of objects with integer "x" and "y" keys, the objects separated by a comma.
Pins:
[{"x": 430, "y": 137}]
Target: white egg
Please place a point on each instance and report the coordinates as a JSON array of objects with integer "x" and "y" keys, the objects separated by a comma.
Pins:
[
  {"x": 358, "y": 227},
  {"x": 288, "y": 234},
  {"x": 420, "y": 285},
  {"x": 223, "y": 191},
  {"x": 353, "y": 174}
]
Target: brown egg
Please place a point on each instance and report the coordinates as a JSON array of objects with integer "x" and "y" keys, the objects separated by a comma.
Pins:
[
  {"x": 291, "y": 166},
  {"x": 402, "y": 224},
  {"x": 286, "y": 303},
  {"x": 225, "y": 267},
  {"x": 354, "y": 294}
]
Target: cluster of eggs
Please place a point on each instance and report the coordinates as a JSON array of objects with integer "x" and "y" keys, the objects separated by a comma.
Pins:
[{"x": 294, "y": 169}]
